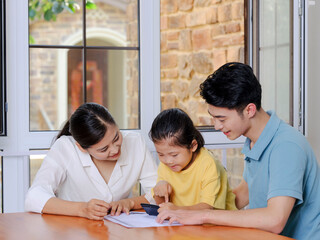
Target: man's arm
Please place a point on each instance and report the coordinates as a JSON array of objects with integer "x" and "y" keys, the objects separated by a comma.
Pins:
[
  {"x": 242, "y": 194},
  {"x": 273, "y": 218}
]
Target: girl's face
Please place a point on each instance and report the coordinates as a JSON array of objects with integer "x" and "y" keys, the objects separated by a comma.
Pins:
[
  {"x": 109, "y": 148},
  {"x": 177, "y": 158}
]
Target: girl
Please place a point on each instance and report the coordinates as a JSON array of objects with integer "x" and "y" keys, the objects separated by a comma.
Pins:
[
  {"x": 188, "y": 175},
  {"x": 91, "y": 169}
]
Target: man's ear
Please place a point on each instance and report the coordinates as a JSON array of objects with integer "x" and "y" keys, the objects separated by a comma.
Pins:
[
  {"x": 81, "y": 148},
  {"x": 194, "y": 145},
  {"x": 250, "y": 110}
]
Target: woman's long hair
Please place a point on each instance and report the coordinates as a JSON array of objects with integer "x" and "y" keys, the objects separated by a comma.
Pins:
[{"x": 88, "y": 124}]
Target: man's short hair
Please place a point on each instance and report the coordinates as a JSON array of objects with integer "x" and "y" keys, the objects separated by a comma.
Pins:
[{"x": 232, "y": 86}]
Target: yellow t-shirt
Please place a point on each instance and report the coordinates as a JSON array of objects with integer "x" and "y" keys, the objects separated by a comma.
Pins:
[{"x": 205, "y": 181}]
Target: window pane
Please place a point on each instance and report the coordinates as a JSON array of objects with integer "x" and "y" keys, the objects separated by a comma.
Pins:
[
  {"x": 274, "y": 57},
  {"x": 197, "y": 37},
  {"x": 2, "y": 70},
  {"x": 35, "y": 163},
  {"x": 49, "y": 26},
  {"x": 113, "y": 81},
  {"x": 1, "y": 210},
  {"x": 50, "y": 88},
  {"x": 57, "y": 82},
  {"x": 114, "y": 21},
  {"x": 233, "y": 160}
]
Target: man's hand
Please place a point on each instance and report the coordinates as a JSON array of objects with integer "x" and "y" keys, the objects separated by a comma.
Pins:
[{"x": 185, "y": 217}]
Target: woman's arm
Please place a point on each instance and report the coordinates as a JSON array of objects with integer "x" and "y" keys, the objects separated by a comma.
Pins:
[{"x": 94, "y": 209}]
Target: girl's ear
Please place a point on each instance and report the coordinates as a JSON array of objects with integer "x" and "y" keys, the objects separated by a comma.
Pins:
[
  {"x": 81, "y": 148},
  {"x": 194, "y": 145}
]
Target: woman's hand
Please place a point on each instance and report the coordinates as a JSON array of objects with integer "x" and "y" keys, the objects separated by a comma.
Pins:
[
  {"x": 124, "y": 205},
  {"x": 94, "y": 209},
  {"x": 163, "y": 189}
]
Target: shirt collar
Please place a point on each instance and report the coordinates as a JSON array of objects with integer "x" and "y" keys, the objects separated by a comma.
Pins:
[{"x": 264, "y": 139}]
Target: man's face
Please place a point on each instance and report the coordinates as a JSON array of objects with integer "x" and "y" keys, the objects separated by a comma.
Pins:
[{"x": 230, "y": 122}]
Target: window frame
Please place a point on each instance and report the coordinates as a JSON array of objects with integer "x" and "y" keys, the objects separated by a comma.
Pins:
[
  {"x": 19, "y": 142},
  {"x": 3, "y": 129}
]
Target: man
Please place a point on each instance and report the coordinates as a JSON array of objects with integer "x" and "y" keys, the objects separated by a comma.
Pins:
[{"x": 281, "y": 179}]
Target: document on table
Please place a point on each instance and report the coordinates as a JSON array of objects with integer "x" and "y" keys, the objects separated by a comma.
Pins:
[{"x": 138, "y": 220}]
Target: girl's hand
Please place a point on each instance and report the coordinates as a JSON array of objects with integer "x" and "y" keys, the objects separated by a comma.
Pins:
[
  {"x": 123, "y": 205},
  {"x": 167, "y": 206},
  {"x": 163, "y": 189},
  {"x": 94, "y": 209}
]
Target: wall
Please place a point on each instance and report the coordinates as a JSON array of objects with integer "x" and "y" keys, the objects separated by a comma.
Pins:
[
  {"x": 313, "y": 87},
  {"x": 197, "y": 37}
]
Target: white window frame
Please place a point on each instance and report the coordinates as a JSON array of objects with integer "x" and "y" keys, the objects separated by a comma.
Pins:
[{"x": 18, "y": 142}]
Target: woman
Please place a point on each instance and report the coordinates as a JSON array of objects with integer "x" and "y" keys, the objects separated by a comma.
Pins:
[{"x": 91, "y": 169}]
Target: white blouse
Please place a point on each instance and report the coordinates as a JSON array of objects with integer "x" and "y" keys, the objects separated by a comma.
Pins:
[{"x": 69, "y": 174}]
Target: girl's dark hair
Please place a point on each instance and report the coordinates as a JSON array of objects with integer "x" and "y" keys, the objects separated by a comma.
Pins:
[
  {"x": 233, "y": 86},
  {"x": 88, "y": 124},
  {"x": 175, "y": 123}
]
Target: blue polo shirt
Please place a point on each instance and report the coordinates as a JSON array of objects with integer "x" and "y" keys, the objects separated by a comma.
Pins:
[{"x": 282, "y": 163}]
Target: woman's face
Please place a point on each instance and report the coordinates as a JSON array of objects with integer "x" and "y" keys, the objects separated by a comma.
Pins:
[{"x": 109, "y": 148}]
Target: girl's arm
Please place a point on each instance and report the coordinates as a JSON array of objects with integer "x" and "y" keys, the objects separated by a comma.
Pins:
[{"x": 94, "y": 209}]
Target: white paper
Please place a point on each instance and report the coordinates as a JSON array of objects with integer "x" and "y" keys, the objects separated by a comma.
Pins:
[{"x": 138, "y": 220}]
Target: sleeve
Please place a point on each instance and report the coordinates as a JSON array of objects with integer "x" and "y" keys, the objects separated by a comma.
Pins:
[
  {"x": 148, "y": 175},
  {"x": 210, "y": 185},
  {"x": 287, "y": 167},
  {"x": 47, "y": 180}
]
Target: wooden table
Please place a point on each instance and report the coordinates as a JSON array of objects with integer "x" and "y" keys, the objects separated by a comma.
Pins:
[{"x": 32, "y": 226}]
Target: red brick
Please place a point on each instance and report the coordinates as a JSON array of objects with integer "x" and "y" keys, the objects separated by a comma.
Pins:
[
  {"x": 201, "y": 39},
  {"x": 176, "y": 21}
]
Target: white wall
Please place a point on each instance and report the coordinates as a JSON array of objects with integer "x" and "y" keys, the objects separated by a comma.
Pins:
[{"x": 313, "y": 81}]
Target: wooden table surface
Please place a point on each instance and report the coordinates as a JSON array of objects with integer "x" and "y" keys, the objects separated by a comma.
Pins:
[{"x": 32, "y": 226}]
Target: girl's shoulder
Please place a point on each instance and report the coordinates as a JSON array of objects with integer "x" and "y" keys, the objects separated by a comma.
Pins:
[{"x": 207, "y": 158}]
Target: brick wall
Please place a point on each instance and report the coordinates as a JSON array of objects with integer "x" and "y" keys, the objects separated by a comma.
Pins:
[{"x": 197, "y": 37}]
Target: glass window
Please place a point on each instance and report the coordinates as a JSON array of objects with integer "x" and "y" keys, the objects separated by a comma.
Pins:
[
  {"x": 35, "y": 163},
  {"x": 82, "y": 55},
  {"x": 197, "y": 37},
  {"x": 2, "y": 71},
  {"x": 1, "y": 209},
  {"x": 275, "y": 57},
  {"x": 233, "y": 161}
]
